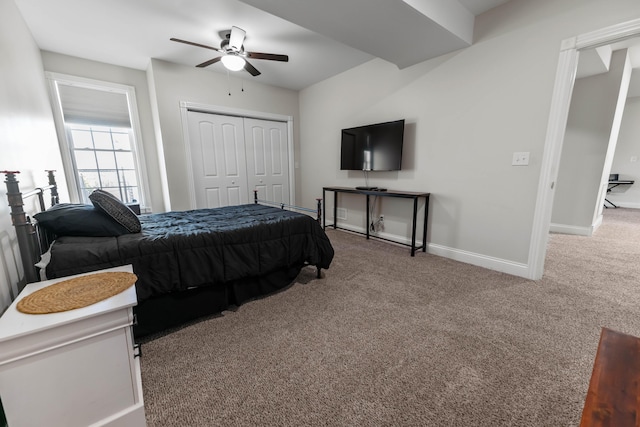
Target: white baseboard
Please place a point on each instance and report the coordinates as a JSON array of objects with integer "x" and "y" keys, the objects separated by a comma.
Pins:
[
  {"x": 629, "y": 205},
  {"x": 491, "y": 263},
  {"x": 392, "y": 238},
  {"x": 576, "y": 230}
]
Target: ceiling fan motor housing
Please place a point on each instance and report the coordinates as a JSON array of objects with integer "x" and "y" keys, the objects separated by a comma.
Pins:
[{"x": 232, "y": 48}]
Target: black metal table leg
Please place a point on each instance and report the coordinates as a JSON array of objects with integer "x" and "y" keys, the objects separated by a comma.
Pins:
[
  {"x": 367, "y": 223},
  {"x": 335, "y": 209},
  {"x": 324, "y": 209},
  {"x": 413, "y": 230},
  {"x": 424, "y": 229}
]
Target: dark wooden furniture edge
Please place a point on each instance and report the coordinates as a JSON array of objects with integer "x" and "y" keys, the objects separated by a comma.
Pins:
[{"x": 613, "y": 394}]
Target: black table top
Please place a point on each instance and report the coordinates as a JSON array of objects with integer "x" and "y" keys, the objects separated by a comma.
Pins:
[{"x": 393, "y": 193}]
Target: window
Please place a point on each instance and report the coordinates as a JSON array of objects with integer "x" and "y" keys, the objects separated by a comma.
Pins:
[
  {"x": 98, "y": 129},
  {"x": 104, "y": 158}
]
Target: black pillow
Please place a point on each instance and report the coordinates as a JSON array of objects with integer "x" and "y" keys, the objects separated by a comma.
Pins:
[
  {"x": 117, "y": 210},
  {"x": 69, "y": 219}
]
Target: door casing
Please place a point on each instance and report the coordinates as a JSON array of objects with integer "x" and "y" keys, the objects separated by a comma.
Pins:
[{"x": 559, "y": 113}]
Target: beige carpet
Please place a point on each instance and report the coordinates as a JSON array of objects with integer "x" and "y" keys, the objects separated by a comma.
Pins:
[{"x": 389, "y": 340}]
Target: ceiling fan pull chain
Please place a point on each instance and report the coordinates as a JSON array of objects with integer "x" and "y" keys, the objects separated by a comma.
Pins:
[{"x": 228, "y": 84}]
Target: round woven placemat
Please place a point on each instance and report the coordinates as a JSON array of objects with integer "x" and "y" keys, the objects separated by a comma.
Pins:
[{"x": 76, "y": 293}]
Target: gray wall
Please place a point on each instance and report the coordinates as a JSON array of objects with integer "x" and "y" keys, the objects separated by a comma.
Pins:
[
  {"x": 172, "y": 84},
  {"x": 591, "y": 124},
  {"x": 626, "y": 162},
  {"x": 28, "y": 140},
  {"x": 468, "y": 112},
  {"x": 78, "y": 67}
]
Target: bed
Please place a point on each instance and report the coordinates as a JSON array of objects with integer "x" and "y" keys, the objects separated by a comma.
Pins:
[{"x": 189, "y": 264}]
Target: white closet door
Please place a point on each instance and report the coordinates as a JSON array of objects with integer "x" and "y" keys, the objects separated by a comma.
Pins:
[
  {"x": 217, "y": 149},
  {"x": 268, "y": 159}
]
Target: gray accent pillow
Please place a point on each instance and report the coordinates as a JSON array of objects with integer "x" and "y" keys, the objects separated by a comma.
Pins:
[{"x": 117, "y": 210}]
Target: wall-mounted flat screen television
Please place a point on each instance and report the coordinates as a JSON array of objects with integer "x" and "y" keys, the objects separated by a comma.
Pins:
[{"x": 376, "y": 147}]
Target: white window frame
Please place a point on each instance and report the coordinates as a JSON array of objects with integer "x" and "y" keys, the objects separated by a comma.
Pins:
[{"x": 68, "y": 162}]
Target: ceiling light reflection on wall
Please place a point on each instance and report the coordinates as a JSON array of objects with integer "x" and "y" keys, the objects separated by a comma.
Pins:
[{"x": 233, "y": 62}]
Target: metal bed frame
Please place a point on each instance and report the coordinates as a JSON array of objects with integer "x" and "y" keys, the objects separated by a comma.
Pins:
[
  {"x": 317, "y": 211},
  {"x": 31, "y": 239},
  {"x": 34, "y": 241}
]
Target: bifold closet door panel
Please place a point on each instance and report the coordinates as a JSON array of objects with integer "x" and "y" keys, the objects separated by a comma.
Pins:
[
  {"x": 218, "y": 159},
  {"x": 231, "y": 156},
  {"x": 267, "y": 149}
]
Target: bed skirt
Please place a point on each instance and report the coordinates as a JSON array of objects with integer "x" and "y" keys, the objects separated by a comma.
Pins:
[{"x": 175, "y": 309}]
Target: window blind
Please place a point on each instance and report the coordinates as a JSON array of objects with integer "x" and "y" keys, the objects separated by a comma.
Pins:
[{"x": 94, "y": 107}]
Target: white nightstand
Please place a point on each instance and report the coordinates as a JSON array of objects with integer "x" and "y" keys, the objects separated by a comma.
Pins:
[{"x": 75, "y": 368}]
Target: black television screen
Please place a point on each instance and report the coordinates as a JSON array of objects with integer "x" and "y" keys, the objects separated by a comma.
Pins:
[{"x": 376, "y": 147}]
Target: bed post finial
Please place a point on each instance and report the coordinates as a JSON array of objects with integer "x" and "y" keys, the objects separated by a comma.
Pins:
[
  {"x": 13, "y": 190},
  {"x": 24, "y": 229},
  {"x": 54, "y": 189},
  {"x": 319, "y": 210},
  {"x": 11, "y": 175}
]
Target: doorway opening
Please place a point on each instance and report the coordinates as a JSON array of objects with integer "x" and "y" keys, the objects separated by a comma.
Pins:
[{"x": 559, "y": 113}]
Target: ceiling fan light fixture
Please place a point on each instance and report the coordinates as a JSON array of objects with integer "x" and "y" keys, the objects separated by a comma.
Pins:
[
  {"x": 233, "y": 53},
  {"x": 233, "y": 62}
]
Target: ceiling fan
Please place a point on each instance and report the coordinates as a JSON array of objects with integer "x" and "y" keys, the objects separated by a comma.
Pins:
[{"x": 234, "y": 57}]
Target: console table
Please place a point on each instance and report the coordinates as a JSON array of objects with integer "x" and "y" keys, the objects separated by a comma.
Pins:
[
  {"x": 611, "y": 186},
  {"x": 415, "y": 196}
]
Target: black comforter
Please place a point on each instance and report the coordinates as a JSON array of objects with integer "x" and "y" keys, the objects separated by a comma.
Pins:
[{"x": 182, "y": 250}]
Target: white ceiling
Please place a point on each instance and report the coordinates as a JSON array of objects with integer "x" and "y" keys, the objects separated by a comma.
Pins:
[{"x": 322, "y": 38}]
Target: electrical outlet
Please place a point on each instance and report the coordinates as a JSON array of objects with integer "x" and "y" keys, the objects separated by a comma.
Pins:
[
  {"x": 520, "y": 158},
  {"x": 381, "y": 218}
]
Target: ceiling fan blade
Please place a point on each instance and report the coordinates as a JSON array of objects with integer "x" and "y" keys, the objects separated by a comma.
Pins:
[
  {"x": 195, "y": 44},
  {"x": 237, "y": 38},
  {"x": 269, "y": 56},
  {"x": 251, "y": 69},
  {"x": 209, "y": 62}
]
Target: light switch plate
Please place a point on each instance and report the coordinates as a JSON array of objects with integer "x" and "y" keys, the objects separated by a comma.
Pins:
[{"x": 520, "y": 158}]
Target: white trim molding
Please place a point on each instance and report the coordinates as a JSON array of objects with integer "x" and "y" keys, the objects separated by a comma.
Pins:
[
  {"x": 575, "y": 230},
  {"x": 629, "y": 205},
  {"x": 484, "y": 261},
  {"x": 186, "y": 106},
  {"x": 53, "y": 80},
  {"x": 238, "y": 112},
  {"x": 561, "y": 99},
  {"x": 491, "y": 263}
]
